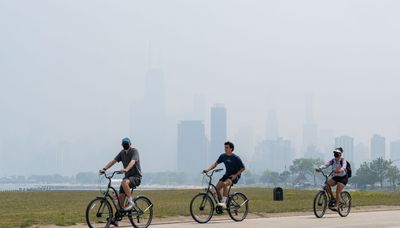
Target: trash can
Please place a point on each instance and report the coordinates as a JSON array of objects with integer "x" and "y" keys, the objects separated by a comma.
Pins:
[{"x": 278, "y": 194}]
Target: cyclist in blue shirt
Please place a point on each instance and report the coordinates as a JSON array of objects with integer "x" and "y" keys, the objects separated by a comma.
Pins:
[{"x": 234, "y": 168}]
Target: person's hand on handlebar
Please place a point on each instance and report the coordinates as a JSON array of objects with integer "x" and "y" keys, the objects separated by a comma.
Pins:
[
  {"x": 103, "y": 170},
  {"x": 205, "y": 171},
  {"x": 318, "y": 169},
  {"x": 123, "y": 170}
]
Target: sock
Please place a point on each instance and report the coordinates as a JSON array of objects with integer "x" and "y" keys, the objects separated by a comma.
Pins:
[
  {"x": 223, "y": 199},
  {"x": 130, "y": 199}
]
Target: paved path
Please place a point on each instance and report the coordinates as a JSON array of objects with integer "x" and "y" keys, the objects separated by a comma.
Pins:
[
  {"x": 380, "y": 219},
  {"x": 361, "y": 219}
]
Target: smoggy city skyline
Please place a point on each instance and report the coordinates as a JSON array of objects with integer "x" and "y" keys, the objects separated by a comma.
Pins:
[{"x": 75, "y": 78}]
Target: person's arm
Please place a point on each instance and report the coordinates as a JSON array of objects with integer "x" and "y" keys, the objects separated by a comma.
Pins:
[
  {"x": 326, "y": 165},
  {"x": 234, "y": 176},
  {"x": 129, "y": 167},
  {"x": 213, "y": 166},
  {"x": 109, "y": 165}
]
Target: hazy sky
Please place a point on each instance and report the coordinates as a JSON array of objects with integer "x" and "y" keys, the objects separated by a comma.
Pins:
[{"x": 70, "y": 69}]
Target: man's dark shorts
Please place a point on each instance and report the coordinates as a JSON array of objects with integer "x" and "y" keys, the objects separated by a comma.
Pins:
[
  {"x": 225, "y": 177},
  {"x": 342, "y": 180},
  {"x": 134, "y": 182}
]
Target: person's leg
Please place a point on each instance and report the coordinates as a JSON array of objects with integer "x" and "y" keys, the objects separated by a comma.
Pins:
[
  {"x": 121, "y": 199},
  {"x": 225, "y": 187},
  {"x": 331, "y": 182},
  {"x": 126, "y": 186},
  {"x": 219, "y": 186},
  {"x": 339, "y": 189},
  {"x": 227, "y": 184}
]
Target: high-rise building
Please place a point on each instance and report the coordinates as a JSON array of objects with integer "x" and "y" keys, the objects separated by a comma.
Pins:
[
  {"x": 310, "y": 128},
  {"x": 192, "y": 147},
  {"x": 272, "y": 127},
  {"x": 347, "y": 143},
  {"x": 244, "y": 144},
  {"x": 274, "y": 155},
  {"x": 152, "y": 132},
  {"x": 361, "y": 155},
  {"x": 378, "y": 147},
  {"x": 218, "y": 131},
  {"x": 326, "y": 140},
  {"x": 395, "y": 152}
]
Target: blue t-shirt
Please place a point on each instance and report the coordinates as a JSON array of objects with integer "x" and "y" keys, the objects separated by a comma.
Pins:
[{"x": 232, "y": 163}]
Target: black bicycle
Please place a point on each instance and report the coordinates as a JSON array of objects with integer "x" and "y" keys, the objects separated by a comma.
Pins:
[
  {"x": 323, "y": 198},
  {"x": 203, "y": 204},
  {"x": 100, "y": 211}
]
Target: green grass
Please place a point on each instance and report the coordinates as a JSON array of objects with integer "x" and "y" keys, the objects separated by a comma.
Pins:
[{"x": 23, "y": 209}]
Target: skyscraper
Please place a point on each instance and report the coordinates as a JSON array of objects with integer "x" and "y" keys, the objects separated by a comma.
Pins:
[
  {"x": 152, "y": 132},
  {"x": 192, "y": 147},
  {"x": 274, "y": 155},
  {"x": 272, "y": 127},
  {"x": 347, "y": 143},
  {"x": 361, "y": 154},
  {"x": 378, "y": 147},
  {"x": 395, "y": 152},
  {"x": 218, "y": 131},
  {"x": 310, "y": 128},
  {"x": 244, "y": 143}
]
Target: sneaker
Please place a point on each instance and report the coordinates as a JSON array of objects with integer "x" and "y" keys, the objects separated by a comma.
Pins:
[
  {"x": 129, "y": 206},
  {"x": 332, "y": 203},
  {"x": 223, "y": 205},
  {"x": 114, "y": 222}
]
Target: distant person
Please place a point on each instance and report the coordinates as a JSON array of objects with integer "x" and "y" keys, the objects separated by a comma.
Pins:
[
  {"x": 339, "y": 175},
  {"x": 129, "y": 157},
  {"x": 234, "y": 168}
]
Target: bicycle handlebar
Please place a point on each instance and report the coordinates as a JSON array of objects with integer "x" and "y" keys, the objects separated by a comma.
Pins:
[
  {"x": 326, "y": 176},
  {"x": 212, "y": 173},
  {"x": 110, "y": 176}
]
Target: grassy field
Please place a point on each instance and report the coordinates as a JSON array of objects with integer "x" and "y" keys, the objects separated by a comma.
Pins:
[{"x": 68, "y": 207}]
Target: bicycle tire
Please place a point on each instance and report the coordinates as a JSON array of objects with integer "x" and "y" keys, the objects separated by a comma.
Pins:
[
  {"x": 204, "y": 200},
  {"x": 236, "y": 202},
  {"x": 345, "y": 204},
  {"x": 320, "y": 199},
  {"x": 103, "y": 203}
]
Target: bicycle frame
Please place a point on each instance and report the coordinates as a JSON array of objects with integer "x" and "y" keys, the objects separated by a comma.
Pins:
[
  {"x": 326, "y": 185},
  {"x": 107, "y": 195},
  {"x": 212, "y": 186}
]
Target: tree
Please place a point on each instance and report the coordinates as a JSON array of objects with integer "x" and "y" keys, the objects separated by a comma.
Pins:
[
  {"x": 393, "y": 175},
  {"x": 304, "y": 166},
  {"x": 379, "y": 168},
  {"x": 364, "y": 175},
  {"x": 249, "y": 178},
  {"x": 270, "y": 177},
  {"x": 284, "y": 176}
]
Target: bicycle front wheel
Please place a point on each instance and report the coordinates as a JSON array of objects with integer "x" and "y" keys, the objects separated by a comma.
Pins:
[
  {"x": 142, "y": 217},
  {"x": 238, "y": 207},
  {"x": 320, "y": 204},
  {"x": 345, "y": 204},
  {"x": 202, "y": 208},
  {"x": 99, "y": 213}
]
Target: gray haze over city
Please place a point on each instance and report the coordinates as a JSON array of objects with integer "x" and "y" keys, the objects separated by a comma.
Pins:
[{"x": 78, "y": 76}]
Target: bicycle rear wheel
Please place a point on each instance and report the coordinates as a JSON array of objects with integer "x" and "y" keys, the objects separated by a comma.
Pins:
[
  {"x": 142, "y": 217},
  {"x": 345, "y": 204},
  {"x": 238, "y": 207},
  {"x": 202, "y": 208},
  {"x": 99, "y": 213},
  {"x": 320, "y": 204}
]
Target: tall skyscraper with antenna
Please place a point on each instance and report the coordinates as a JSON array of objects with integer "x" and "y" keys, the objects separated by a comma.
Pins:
[{"x": 218, "y": 131}]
